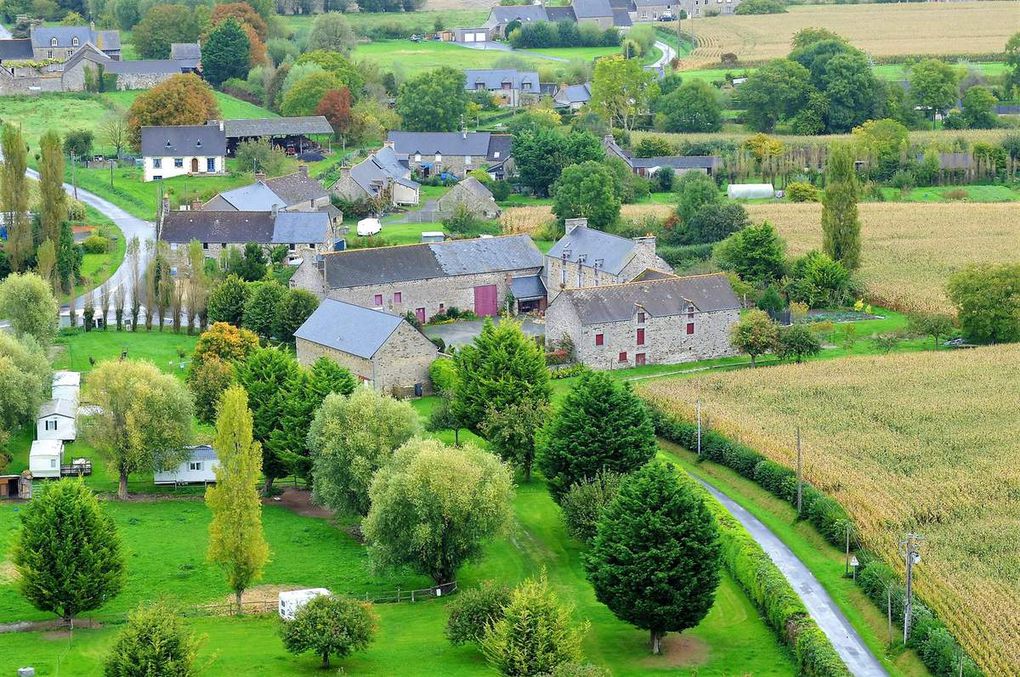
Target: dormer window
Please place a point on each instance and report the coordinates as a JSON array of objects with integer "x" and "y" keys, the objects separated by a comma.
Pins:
[
  {"x": 198, "y": 144},
  {"x": 74, "y": 42},
  {"x": 53, "y": 42},
  {"x": 495, "y": 155},
  {"x": 690, "y": 312},
  {"x": 168, "y": 144},
  {"x": 417, "y": 157},
  {"x": 439, "y": 157}
]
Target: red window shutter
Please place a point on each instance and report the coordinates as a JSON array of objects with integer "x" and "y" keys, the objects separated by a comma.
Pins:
[
  {"x": 377, "y": 299},
  {"x": 640, "y": 337},
  {"x": 398, "y": 297},
  {"x": 600, "y": 339},
  {"x": 623, "y": 357},
  {"x": 690, "y": 327}
]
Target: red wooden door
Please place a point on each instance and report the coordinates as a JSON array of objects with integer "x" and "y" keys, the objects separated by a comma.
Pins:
[
  {"x": 420, "y": 313},
  {"x": 486, "y": 303}
]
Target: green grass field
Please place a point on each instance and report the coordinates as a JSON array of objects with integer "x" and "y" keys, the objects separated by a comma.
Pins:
[
  {"x": 410, "y": 22},
  {"x": 410, "y": 58},
  {"x": 97, "y": 268},
  {"x": 993, "y": 193}
]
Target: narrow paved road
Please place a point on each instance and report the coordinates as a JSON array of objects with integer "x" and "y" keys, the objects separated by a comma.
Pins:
[
  {"x": 848, "y": 644},
  {"x": 129, "y": 225},
  {"x": 668, "y": 54}
]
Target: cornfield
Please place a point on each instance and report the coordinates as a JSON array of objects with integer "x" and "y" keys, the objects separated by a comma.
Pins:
[
  {"x": 527, "y": 220},
  {"x": 909, "y": 249},
  {"x": 923, "y": 442},
  {"x": 943, "y": 140},
  {"x": 881, "y": 30}
]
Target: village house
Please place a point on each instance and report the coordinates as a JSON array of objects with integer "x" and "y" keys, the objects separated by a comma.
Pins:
[
  {"x": 585, "y": 257},
  {"x": 471, "y": 195},
  {"x": 57, "y": 420},
  {"x": 511, "y": 87},
  {"x": 659, "y": 320},
  {"x": 602, "y": 13},
  {"x": 380, "y": 348},
  {"x": 91, "y": 66},
  {"x": 301, "y": 232},
  {"x": 380, "y": 178},
  {"x": 185, "y": 149},
  {"x": 198, "y": 468},
  {"x": 456, "y": 153},
  {"x": 647, "y": 166},
  {"x": 428, "y": 278},
  {"x": 295, "y": 192},
  {"x": 61, "y": 42},
  {"x": 574, "y": 97}
]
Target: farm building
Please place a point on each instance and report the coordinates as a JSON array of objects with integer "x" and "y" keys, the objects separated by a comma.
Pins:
[
  {"x": 660, "y": 320},
  {"x": 56, "y": 420},
  {"x": 199, "y": 468},
  {"x": 45, "y": 458},
  {"x": 427, "y": 278},
  {"x": 291, "y": 134},
  {"x": 66, "y": 385},
  {"x": 512, "y": 87},
  {"x": 585, "y": 257},
  {"x": 647, "y": 166},
  {"x": 469, "y": 194},
  {"x": 188, "y": 56},
  {"x": 380, "y": 348},
  {"x": 379, "y": 177},
  {"x": 750, "y": 191},
  {"x": 295, "y": 192}
]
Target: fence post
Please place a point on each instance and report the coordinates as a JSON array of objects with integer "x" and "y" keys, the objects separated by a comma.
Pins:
[{"x": 412, "y": 596}]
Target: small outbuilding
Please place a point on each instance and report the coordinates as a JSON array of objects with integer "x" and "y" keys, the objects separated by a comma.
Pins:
[
  {"x": 45, "y": 458},
  {"x": 472, "y": 195},
  {"x": 199, "y": 468},
  {"x": 66, "y": 385},
  {"x": 56, "y": 420},
  {"x": 750, "y": 191},
  {"x": 292, "y": 600}
]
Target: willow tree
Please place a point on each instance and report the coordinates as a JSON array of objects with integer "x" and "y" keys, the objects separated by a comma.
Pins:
[
  {"x": 236, "y": 541},
  {"x": 841, "y": 225}
]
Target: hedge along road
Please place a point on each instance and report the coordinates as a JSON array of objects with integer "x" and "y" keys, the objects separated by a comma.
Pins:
[{"x": 848, "y": 644}]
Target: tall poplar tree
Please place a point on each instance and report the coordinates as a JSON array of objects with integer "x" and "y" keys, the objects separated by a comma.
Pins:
[
  {"x": 14, "y": 197},
  {"x": 67, "y": 259},
  {"x": 236, "y": 540},
  {"x": 52, "y": 198},
  {"x": 841, "y": 225}
]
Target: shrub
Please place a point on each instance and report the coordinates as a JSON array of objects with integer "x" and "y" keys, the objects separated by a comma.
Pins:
[
  {"x": 330, "y": 625},
  {"x": 473, "y": 611},
  {"x": 96, "y": 244},
  {"x": 585, "y": 500},
  {"x": 801, "y": 192},
  {"x": 154, "y": 637}
]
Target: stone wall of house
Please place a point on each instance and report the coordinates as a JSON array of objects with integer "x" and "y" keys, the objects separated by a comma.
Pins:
[
  {"x": 347, "y": 188},
  {"x": 308, "y": 352},
  {"x": 434, "y": 294},
  {"x": 457, "y": 165},
  {"x": 666, "y": 338},
  {"x": 308, "y": 277},
  {"x": 27, "y": 84},
  {"x": 127, "y": 81}
]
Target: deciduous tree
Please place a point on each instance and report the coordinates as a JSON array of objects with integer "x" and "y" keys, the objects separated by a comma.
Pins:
[
  {"x": 207, "y": 380},
  {"x": 350, "y": 439},
  {"x": 475, "y": 609},
  {"x": 433, "y": 507},
  {"x": 244, "y": 13},
  {"x": 621, "y": 89},
  {"x": 776, "y": 91},
  {"x": 693, "y": 107},
  {"x": 14, "y": 197},
  {"x": 979, "y": 108},
  {"x": 694, "y": 191},
  {"x": 841, "y": 225},
  {"x": 586, "y": 500},
  {"x": 656, "y": 556},
  {"x": 330, "y": 625},
  {"x": 142, "y": 418},
  {"x": 25, "y": 381},
  {"x": 755, "y": 334},
  {"x": 155, "y": 637},
  {"x": 541, "y": 154},
  {"x": 114, "y": 131},
  {"x": 756, "y": 253},
  {"x": 335, "y": 106},
  {"x": 236, "y": 541},
  {"x": 987, "y": 300},
  {"x": 798, "y": 342},
  {"x": 52, "y": 198},
  {"x": 601, "y": 425},
  {"x": 934, "y": 85},
  {"x": 163, "y": 25},
  {"x": 67, "y": 553},
  {"x": 434, "y": 101},
  {"x": 180, "y": 100},
  {"x": 223, "y": 341},
  {"x": 586, "y": 190},
  {"x": 332, "y": 32},
  {"x": 27, "y": 301},
  {"x": 511, "y": 432}
]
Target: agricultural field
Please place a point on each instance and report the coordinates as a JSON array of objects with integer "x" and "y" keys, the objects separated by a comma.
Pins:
[
  {"x": 909, "y": 249},
  {"x": 410, "y": 58},
  {"x": 917, "y": 442},
  {"x": 881, "y": 30},
  {"x": 466, "y": 13},
  {"x": 939, "y": 139}
]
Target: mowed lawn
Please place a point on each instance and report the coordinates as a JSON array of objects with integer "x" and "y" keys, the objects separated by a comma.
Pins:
[{"x": 409, "y": 58}]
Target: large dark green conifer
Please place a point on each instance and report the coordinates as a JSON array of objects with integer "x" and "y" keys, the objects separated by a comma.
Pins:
[
  {"x": 600, "y": 425},
  {"x": 656, "y": 555}
]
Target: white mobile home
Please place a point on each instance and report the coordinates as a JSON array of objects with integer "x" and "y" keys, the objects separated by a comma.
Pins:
[
  {"x": 56, "y": 421},
  {"x": 292, "y": 600},
  {"x": 66, "y": 385},
  {"x": 45, "y": 458},
  {"x": 199, "y": 468}
]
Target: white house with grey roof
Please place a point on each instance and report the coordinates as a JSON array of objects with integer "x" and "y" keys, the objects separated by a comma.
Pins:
[
  {"x": 585, "y": 257},
  {"x": 56, "y": 420},
  {"x": 659, "y": 320},
  {"x": 510, "y": 86},
  {"x": 382, "y": 349},
  {"x": 198, "y": 468},
  {"x": 380, "y": 177},
  {"x": 194, "y": 150},
  {"x": 574, "y": 97},
  {"x": 428, "y": 278}
]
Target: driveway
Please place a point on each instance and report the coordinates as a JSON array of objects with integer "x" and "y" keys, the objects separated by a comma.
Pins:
[
  {"x": 463, "y": 332},
  {"x": 848, "y": 644}
]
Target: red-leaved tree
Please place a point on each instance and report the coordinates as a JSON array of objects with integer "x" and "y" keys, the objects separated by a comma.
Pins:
[{"x": 335, "y": 106}]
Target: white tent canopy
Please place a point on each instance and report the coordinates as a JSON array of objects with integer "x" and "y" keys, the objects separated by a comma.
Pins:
[{"x": 369, "y": 227}]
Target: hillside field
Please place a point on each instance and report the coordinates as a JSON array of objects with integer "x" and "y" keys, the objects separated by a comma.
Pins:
[
  {"x": 881, "y": 30},
  {"x": 918, "y": 442}
]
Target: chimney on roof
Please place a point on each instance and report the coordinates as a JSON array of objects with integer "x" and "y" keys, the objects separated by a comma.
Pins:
[
  {"x": 196, "y": 205},
  {"x": 260, "y": 176},
  {"x": 274, "y": 209},
  {"x": 303, "y": 170},
  {"x": 646, "y": 243},
  {"x": 221, "y": 125},
  {"x": 166, "y": 205},
  {"x": 574, "y": 224},
  {"x": 92, "y": 26}
]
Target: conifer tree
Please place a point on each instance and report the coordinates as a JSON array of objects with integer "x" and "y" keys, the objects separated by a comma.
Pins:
[
  {"x": 267, "y": 374},
  {"x": 841, "y": 226},
  {"x": 601, "y": 425},
  {"x": 656, "y": 555},
  {"x": 155, "y": 641},
  {"x": 52, "y": 198},
  {"x": 67, "y": 260},
  {"x": 14, "y": 197},
  {"x": 236, "y": 541}
]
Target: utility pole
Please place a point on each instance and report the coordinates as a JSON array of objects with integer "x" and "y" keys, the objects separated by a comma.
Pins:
[
  {"x": 910, "y": 549},
  {"x": 849, "y": 526},
  {"x": 800, "y": 476},
  {"x": 74, "y": 175},
  {"x": 699, "y": 427}
]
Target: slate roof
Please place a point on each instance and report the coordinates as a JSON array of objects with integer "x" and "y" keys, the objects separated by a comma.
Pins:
[
  {"x": 66, "y": 378},
  {"x": 621, "y": 18},
  {"x": 493, "y": 79},
  {"x": 300, "y": 227},
  {"x": 381, "y": 265},
  {"x": 614, "y": 251},
  {"x": 373, "y": 172},
  {"x": 14, "y": 50},
  {"x": 349, "y": 328},
  {"x": 207, "y": 140},
  {"x": 528, "y": 287},
  {"x": 153, "y": 66},
  {"x": 524, "y": 13},
  {"x": 293, "y": 126},
  {"x": 574, "y": 94},
  {"x": 64, "y": 408},
  {"x": 187, "y": 54},
  {"x": 470, "y": 185},
  {"x": 42, "y": 37},
  {"x": 556, "y": 14},
  {"x": 651, "y": 274},
  {"x": 296, "y": 187},
  {"x": 255, "y": 197},
  {"x": 676, "y": 162},
  {"x": 444, "y": 143},
  {"x": 592, "y": 9},
  {"x": 502, "y": 144},
  {"x": 664, "y": 297}
]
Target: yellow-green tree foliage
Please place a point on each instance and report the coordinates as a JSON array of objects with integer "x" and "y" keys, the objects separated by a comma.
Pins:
[
  {"x": 236, "y": 541},
  {"x": 14, "y": 197},
  {"x": 52, "y": 198}
]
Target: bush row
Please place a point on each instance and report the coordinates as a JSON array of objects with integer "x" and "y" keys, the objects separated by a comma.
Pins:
[
  {"x": 935, "y": 645},
  {"x": 777, "y": 601}
]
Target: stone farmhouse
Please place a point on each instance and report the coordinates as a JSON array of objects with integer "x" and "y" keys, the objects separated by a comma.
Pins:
[
  {"x": 602, "y": 13},
  {"x": 661, "y": 320},
  {"x": 427, "y": 279},
  {"x": 188, "y": 56},
  {"x": 647, "y": 166},
  {"x": 585, "y": 257},
  {"x": 469, "y": 194},
  {"x": 457, "y": 153},
  {"x": 303, "y": 233},
  {"x": 380, "y": 348},
  {"x": 89, "y": 63},
  {"x": 184, "y": 149},
  {"x": 573, "y": 97},
  {"x": 295, "y": 192},
  {"x": 61, "y": 42},
  {"x": 512, "y": 88},
  {"x": 381, "y": 178}
]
